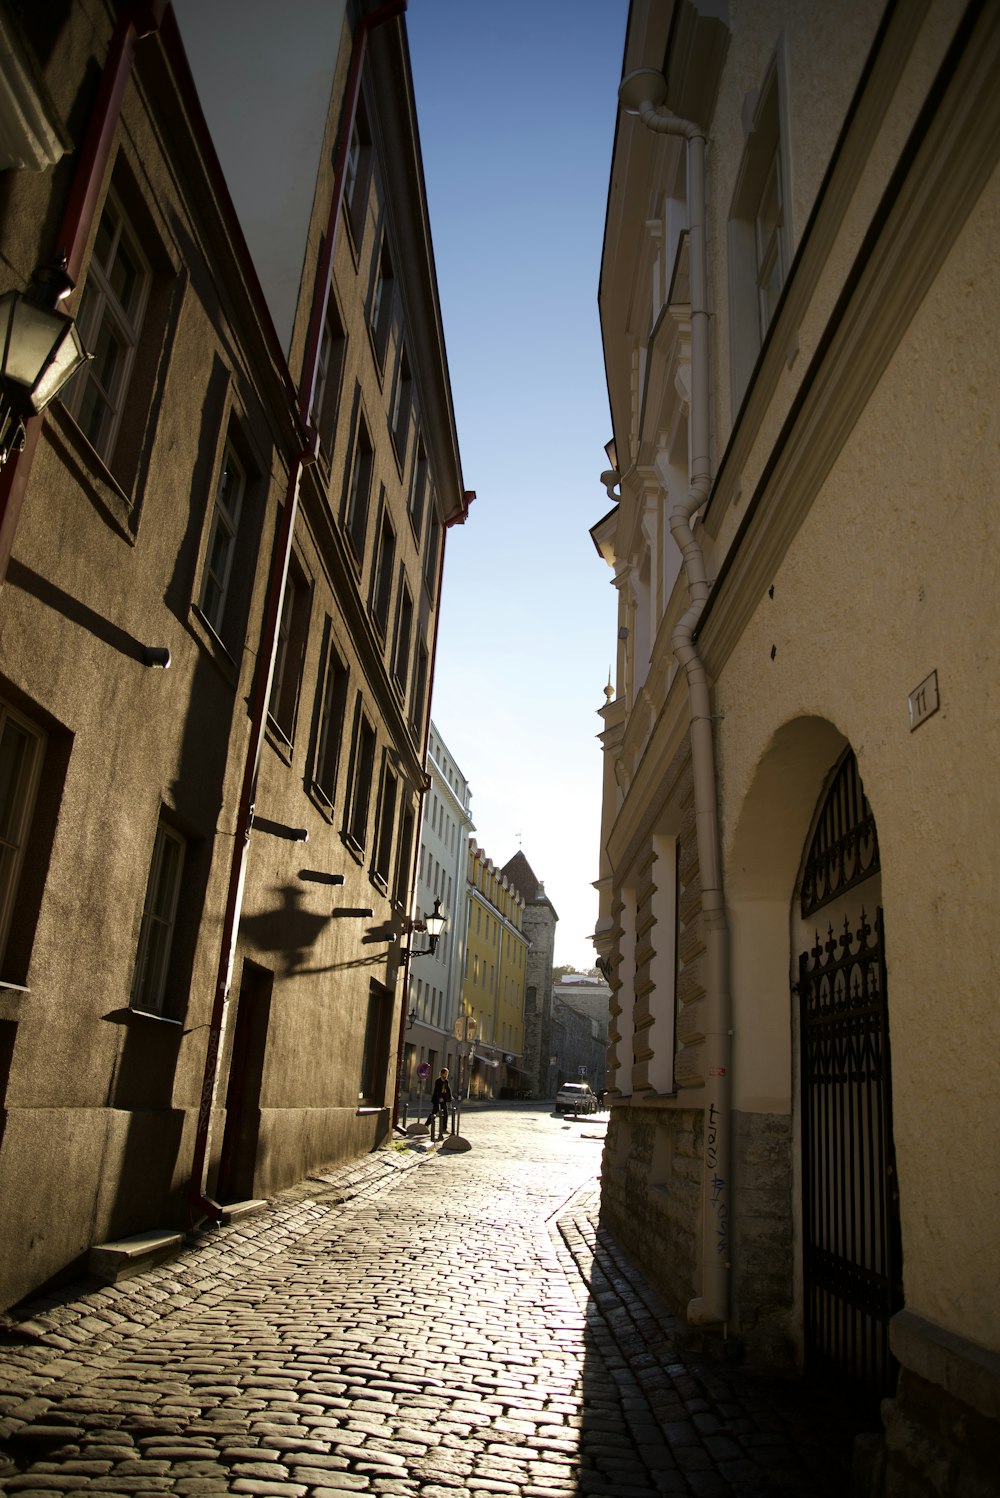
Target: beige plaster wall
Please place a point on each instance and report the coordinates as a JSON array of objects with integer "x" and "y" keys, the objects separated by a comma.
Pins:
[{"x": 893, "y": 575}]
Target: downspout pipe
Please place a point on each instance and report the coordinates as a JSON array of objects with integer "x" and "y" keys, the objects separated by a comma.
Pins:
[
  {"x": 201, "y": 1203},
  {"x": 135, "y": 22},
  {"x": 642, "y": 93}
]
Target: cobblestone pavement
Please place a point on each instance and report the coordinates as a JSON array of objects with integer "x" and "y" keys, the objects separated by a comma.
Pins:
[{"x": 459, "y": 1330}]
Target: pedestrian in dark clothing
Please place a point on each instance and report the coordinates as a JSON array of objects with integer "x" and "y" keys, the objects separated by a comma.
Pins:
[
  {"x": 600, "y": 1099},
  {"x": 441, "y": 1100}
]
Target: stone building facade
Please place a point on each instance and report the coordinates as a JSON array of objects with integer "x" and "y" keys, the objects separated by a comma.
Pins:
[
  {"x": 579, "y": 1030},
  {"x": 799, "y": 740},
  {"x": 497, "y": 955},
  {"x": 197, "y": 1005},
  {"x": 539, "y": 924}
]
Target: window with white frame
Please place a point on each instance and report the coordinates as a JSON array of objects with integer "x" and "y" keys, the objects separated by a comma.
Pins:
[
  {"x": 385, "y": 561},
  {"x": 758, "y": 232},
  {"x": 229, "y": 492},
  {"x": 362, "y": 766},
  {"x": 159, "y": 917},
  {"x": 386, "y": 827},
  {"x": 293, "y": 629},
  {"x": 333, "y": 709},
  {"x": 110, "y": 319},
  {"x": 404, "y": 626},
  {"x": 357, "y": 173},
  {"x": 329, "y": 377},
  {"x": 21, "y": 750},
  {"x": 380, "y": 302},
  {"x": 418, "y": 489},
  {"x": 359, "y": 489},
  {"x": 402, "y": 398}
]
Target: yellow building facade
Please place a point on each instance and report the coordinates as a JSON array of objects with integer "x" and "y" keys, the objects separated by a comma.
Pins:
[{"x": 495, "y": 964}]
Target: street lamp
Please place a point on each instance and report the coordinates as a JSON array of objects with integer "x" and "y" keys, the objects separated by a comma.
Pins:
[
  {"x": 40, "y": 349},
  {"x": 433, "y": 925}
]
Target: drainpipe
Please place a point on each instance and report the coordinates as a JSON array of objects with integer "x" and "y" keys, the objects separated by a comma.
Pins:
[
  {"x": 641, "y": 93},
  {"x": 135, "y": 22},
  {"x": 200, "y": 1201}
]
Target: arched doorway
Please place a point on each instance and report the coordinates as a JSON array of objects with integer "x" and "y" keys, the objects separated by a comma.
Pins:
[{"x": 851, "y": 1244}]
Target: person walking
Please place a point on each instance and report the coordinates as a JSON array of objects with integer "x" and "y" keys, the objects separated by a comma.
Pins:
[{"x": 441, "y": 1100}]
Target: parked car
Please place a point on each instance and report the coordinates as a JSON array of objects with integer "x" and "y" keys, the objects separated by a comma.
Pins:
[{"x": 575, "y": 1097}]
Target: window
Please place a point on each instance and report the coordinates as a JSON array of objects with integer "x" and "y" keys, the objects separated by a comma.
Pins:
[
  {"x": 375, "y": 1056},
  {"x": 357, "y": 172},
  {"x": 385, "y": 561},
  {"x": 402, "y": 397},
  {"x": 358, "y": 491},
  {"x": 109, "y": 319},
  {"x": 380, "y": 302},
  {"x": 222, "y": 539},
  {"x": 158, "y": 918},
  {"x": 291, "y": 645},
  {"x": 21, "y": 748},
  {"x": 362, "y": 764},
  {"x": 331, "y": 726},
  {"x": 404, "y": 852},
  {"x": 418, "y": 490},
  {"x": 386, "y": 826},
  {"x": 431, "y": 551},
  {"x": 758, "y": 234},
  {"x": 404, "y": 626},
  {"x": 329, "y": 374}
]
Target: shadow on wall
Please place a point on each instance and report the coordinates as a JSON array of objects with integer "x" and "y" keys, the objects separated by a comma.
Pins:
[{"x": 288, "y": 932}]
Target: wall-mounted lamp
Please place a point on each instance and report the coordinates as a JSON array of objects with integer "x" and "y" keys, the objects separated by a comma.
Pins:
[
  {"x": 433, "y": 925},
  {"x": 411, "y": 1019},
  {"x": 40, "y": 349}
]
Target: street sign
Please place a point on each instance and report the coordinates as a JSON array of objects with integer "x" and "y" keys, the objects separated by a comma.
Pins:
[
  {"x": 582, "y": 1071},
  {"x": 423, "y": 1071}
]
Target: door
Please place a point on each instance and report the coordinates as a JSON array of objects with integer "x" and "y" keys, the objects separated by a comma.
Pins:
[
  {"x": 852, "y": 1258},
  {"x": 246, "y": 1071}
]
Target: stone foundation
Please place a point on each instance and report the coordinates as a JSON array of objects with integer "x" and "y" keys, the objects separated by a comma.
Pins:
[
  {"x": 651, "y": 1200},
  {"x": 942, "y": 1429}
]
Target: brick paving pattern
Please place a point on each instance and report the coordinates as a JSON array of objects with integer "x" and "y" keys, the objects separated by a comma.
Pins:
[{"x": 417, "y": 1323}]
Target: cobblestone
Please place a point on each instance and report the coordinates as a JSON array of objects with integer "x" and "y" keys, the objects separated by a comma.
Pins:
[{"x": 415, "y": 1325}]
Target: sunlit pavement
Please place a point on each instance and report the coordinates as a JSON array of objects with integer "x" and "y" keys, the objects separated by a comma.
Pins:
[{"x": 422, "y": 1322}]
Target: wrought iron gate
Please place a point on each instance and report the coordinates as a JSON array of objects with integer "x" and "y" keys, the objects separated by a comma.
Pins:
[{"x": 851, "y": 1238}]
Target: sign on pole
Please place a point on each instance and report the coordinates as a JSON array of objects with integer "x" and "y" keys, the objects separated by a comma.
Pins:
[{"x": 423, "y": 1071}]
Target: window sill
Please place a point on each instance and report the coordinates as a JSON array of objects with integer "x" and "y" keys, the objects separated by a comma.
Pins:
[
  {"x": 90, "y": 468},
  {"x": 355, "y": 849},
  {"x": 322, "y": 802},
  {"x": 279, "y": 740},
  {"x": 214, "y": 645},
  {"x": 163, "y": 1019},
  {"x": 11, "y": 999},
  {"x": 363, "y": 1110}
]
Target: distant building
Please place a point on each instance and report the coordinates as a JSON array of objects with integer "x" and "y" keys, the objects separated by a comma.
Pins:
[
  {"x": 496, "y": 964},
  {"x": 435, "y": 982},
  {"x": 540, "y": 920},
  {"x": 579, "y": 1031}
]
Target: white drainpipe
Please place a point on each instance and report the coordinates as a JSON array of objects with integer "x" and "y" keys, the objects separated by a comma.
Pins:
[{"x": 641, "y": 93}]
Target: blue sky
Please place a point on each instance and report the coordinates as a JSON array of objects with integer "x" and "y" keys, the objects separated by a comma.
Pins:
[{"x": 516, "y": 106}]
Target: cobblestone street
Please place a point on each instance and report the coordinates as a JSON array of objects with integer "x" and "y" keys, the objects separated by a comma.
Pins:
[{"x": 442, "y": 1324}]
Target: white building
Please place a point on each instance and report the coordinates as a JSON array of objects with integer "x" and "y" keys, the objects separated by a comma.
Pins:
[{"x": 435, "y": 981}]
